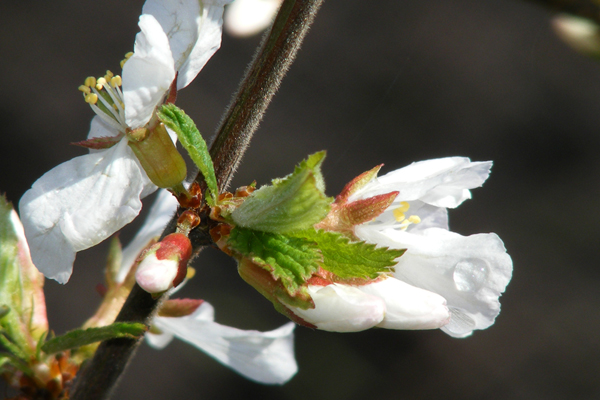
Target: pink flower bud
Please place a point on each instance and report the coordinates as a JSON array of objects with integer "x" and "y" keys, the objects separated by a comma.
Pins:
[{"x": 164, "y": 265}]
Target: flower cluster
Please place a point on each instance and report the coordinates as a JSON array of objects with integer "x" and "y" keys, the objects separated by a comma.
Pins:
[
  {"x": 443, "y": 280},
  {"x": 380, "y": 255}
]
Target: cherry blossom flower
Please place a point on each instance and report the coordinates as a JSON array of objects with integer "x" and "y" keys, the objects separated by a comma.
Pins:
[
  {"x": 469, "y": 272},
  {"x": 81, "y": 202}
]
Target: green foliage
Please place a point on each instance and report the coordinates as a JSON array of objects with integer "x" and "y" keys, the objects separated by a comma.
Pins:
[
  {"x": 293, "y": 203},
  {"x": 291, "y": 260},
  {"x": 81, "y": 337},
  {"x": 348, "y": 259},
  {"x": 191, "y": 139},
  {"x": 22, "y": 306}
]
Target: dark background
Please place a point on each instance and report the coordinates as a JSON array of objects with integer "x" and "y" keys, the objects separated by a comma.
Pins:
[{"x": 390, "y": 81}]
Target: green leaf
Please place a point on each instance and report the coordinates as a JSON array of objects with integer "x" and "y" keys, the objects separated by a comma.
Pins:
[
  {"x": 82, "y": 337},
  {"x": 191, "y": 139},
  {"x": 21, "y": 285},
  {"x": 293, "y": 203},
  {"x": 349, "y": 260},
  {"x": 291, "y": 260}
]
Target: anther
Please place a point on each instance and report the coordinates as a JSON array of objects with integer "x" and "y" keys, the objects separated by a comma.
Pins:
[
  {"x": 399, "y": 215},
  {"x": 404, "y": 206},
  {"x": 90, "y": 81},
  {"x": 414, "y": 219},
  {"x": 100, "y": 83},
  {"x": 127, "y": 57},
  {"x": 85, "y": 89},
  {"x": 91, "y": 98},
  {"x": 116, "y": 81}
]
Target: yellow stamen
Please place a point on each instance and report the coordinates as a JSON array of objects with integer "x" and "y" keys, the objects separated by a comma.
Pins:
[
  {"x": 116, "y": 81},
  {"x": 100, "y": 83},
  {"x": 84, "y": 89},
  {"x": 404, "y": 206},
  {"x": 127, "y": 57},
  {"x": 91, "y": 98},
  {"x": 414, "y": 219},
  {"x": 399, "y": 215},
  {"x": 90, "y": 81},
  {"x": 108, "y": 75}
]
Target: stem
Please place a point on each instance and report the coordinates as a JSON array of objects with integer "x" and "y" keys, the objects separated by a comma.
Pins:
[
  {"x": 277, "y": 52},
  {"x": 589, "y": 9},
  {"x": 271, "y": 62}
]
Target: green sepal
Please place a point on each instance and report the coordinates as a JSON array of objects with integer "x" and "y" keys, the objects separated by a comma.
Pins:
[
  {"x": 290, "y": 260},
  {"x": 351, "y": 259},
  {"x": 293, "y": 203},
  {"x": 81, "y": 337},
  {"x": 191, "y": 139}
]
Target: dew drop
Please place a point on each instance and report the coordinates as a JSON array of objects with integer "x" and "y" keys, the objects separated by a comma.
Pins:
[{"x": 470, "y": 274}]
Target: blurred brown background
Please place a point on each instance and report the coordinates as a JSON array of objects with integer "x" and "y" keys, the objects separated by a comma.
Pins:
[{"x": 390, "y": 81}]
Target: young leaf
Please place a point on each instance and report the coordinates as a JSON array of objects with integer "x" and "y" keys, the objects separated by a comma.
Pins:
[
  {"x": 348, "y": 259},
  {"x": 191, "y": 139},
  {"x": 293, "y": 203},
  {"x": 291, "y": 260},
  {"x": 82, "y": 337},
  {"x": 21, "y": 285}
]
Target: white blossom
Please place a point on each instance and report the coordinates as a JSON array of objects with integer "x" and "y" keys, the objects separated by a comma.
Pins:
[
  {"x": 469, "y": 272},
  {"x": 265, "y": 357},
  {"x": 81, "y": 202}
]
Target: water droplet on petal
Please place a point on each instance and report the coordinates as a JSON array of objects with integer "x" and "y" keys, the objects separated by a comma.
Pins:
[{"x": 470, "y": 274}]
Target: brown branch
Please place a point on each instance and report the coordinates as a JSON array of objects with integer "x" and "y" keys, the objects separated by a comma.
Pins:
[{"x": 277, "y": 52}]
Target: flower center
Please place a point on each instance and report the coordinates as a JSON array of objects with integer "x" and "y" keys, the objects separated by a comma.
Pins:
[
  {"x": 105, "y": 97},
  {"x": 400, "y": 215}
]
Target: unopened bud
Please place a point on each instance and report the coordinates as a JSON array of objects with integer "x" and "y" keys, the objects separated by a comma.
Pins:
[{"x": 164, "y": 265}]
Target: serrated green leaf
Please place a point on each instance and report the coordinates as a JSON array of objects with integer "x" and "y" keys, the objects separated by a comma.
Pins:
[
  {"x": 293, "y": 203},
  {"x": 292, "y": 260},
  {"x": 82, "y": 337},
  {"x": 191, "y": 139},
  {"x": 349, "y": 260}
]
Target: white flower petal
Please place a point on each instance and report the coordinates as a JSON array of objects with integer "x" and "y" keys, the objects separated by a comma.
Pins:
[
  {"x": 148, "y": 74},
  {"x": 249, "y": 17},
  {"x": 99, "y": 128},
  {"x": 442, "y": 182},
  {"x": 158, "y": 340},
  {"x": 159, "y": 215},
  {"x": 408, "y": 307},
  {"x": 78, "y": 204},
  {"x": 469, "y": 272},
  {"x": 194, "y": 31},
  {"x": 266, "y": 357},
  {"x": 342, "y": 308}
]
